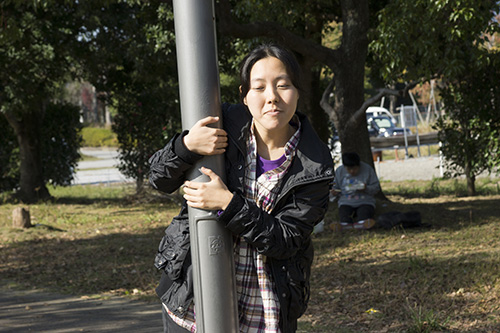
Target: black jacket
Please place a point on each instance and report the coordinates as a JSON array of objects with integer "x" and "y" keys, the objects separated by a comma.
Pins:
[{"x": 283, "y": 235}]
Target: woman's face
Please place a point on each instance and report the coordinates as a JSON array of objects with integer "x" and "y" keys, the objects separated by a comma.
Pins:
[{"x": 272, "y": 98}]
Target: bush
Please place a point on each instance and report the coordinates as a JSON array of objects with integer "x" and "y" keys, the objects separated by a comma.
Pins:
[
  {"x": 98, "y": 137},
  {"x": 60, "y": 143},
  {"x": 9, "y": 156}
]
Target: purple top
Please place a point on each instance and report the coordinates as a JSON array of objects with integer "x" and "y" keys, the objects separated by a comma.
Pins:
[{"x": 264, "y": 165}]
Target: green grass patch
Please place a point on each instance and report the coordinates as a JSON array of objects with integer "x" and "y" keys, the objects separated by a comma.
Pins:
[
  {"x": 101, "y": 240},
  {"x": 98, "y": 137},
  {"x": 425, "y": 150},
  {"x": 440, "y": 187}
]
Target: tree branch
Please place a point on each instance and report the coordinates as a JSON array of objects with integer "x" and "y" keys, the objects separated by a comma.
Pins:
[
  {"x": 325, "y": 104},
  {"x": 305, "y": 47},
  {"x": 358, "y": 115}
]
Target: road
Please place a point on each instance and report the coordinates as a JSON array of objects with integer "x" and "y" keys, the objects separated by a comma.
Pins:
[
  {"x": 103, "y": 170},
  {"x": 38, "y": 311}
]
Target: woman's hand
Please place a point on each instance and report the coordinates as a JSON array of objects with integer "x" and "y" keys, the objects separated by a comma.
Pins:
[
  {"x": 205, "y": 140},
  {"x": 212, "y": 195}
]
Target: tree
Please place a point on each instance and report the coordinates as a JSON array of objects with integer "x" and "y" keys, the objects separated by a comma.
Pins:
[
  {"x": 60, "y": 140},
  {"x": 35, "y": 43},
  {"x": 452, "y": 51},
  {"x": 134, "y": 43},
  {"x": 9, "y": 157},
  {"x": 297, "y": 19},
  {"x": 346, "y": 61},
  {"x": 471, "y": 126},
  {"x": 401, "y": 43}
]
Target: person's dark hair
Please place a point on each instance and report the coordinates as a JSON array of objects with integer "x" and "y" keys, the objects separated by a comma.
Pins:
[
  {"x": 266, "y": 51},
  {"x": 350, "y": 159}
]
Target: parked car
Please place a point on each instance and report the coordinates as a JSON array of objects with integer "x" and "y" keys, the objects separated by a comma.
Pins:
[
  {"x": 382, "y": 126},
  {"x": 374, "y": 111}
]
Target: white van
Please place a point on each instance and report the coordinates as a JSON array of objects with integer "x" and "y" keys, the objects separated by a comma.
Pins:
[{"x": 374, "y": 111}]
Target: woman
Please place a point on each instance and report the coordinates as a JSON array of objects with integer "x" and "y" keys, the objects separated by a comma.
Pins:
[{"x": 278, "y": 176}]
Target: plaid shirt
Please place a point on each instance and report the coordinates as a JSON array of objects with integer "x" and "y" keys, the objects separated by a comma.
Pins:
[{"x": 258, "y": 304}]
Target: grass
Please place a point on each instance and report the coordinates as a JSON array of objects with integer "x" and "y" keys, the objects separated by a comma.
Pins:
[
  {"x": 443, "y": 278},
  {"x": 425, "y": 150}
]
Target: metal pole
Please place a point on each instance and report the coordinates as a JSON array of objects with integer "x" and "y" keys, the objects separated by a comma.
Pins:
[
  {"x": 211, "y": 243},
  {"x": 403, "y": 119}
]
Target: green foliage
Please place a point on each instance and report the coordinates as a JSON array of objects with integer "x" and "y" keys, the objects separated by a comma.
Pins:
[
  {"x": 143, "y": 127},
  {"x": 98, "y": 137},
  {"x": 60, "y": 142},
  {"x": 425, "y": 38},
  {"x": 425, "y": 321},
  {"x": 9, "y": 157},
  {"x": 59, "y": 149},
  {"x": 35, "y": 44},
  {"x": 137, "y": 69},
  {"x": 471, "y": 127},
  {"x": 37, "y": 41}
]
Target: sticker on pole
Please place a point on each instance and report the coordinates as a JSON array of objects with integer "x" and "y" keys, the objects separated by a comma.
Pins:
[{"x": 216, "y": 245}]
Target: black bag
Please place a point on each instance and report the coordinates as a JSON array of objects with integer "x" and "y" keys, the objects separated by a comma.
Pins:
[{"x": 411, "y": 219}]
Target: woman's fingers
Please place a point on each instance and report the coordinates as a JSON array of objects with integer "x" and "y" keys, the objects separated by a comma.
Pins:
[
  {"x": 206, "y": 140},
  {"x": 209, "y": 172},
  {"x": 207, "y": 120},
  {"x": 207, "y": 195}
]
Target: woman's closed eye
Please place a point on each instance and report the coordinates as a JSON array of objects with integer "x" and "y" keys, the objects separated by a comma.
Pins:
[{"x": 259, "y": 88}]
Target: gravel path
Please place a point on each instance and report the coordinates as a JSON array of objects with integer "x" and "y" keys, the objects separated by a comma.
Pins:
[
  {"x": 100, "y": 171},
  {"x": 421, "y": 168},
  {"x": 104, "y": 170}
]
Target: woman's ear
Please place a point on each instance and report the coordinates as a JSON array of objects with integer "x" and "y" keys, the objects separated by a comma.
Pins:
[{"x": 244, "y": 98}]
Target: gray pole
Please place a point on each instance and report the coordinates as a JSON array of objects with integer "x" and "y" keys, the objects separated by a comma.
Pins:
[{"x": 211, "y": 243}]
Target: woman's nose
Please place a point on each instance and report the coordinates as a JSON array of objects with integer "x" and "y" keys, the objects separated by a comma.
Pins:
[{"x": 272, "y": 96}]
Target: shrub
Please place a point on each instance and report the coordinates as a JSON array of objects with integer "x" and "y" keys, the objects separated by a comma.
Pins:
[
  {"x": 60, "y": 143},
  {"x": 98, "y": 137},
  {"x": 9, "y": 156}
]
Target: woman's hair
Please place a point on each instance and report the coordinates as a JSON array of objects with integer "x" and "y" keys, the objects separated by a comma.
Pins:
[
  {"x": 266, "y": 51},
  {"x": 350, "y": 159}
]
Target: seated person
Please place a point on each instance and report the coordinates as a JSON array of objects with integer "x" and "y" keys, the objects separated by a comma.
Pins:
[{"x": 356, "y": 184}]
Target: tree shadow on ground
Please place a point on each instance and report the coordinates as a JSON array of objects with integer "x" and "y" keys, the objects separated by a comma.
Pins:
[
  {"x": 117, "y": 263},
  {"x": 420, "y": 278},
  {"x": 406, "y": 290}
]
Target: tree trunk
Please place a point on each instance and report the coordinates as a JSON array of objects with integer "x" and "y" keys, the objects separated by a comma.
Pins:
[
  {"x": 349, "y": 80},
  {"x": 310, "y": 97},
  {"x": 347, "y": 63},
  {"x": 471, "y": 180},
  {"x": 27, "y": 129},
  {"x": 139, "y": 185}
]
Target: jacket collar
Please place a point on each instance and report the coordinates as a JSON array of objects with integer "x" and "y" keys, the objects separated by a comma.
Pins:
[{"x": 313, "y": 159}]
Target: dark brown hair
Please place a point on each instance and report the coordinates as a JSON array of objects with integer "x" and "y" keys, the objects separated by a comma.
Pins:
[{"x": 350, "y": 159}]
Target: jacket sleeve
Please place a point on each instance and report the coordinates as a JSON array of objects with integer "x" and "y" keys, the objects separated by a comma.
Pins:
[
  {"x": 169, "y": 165},
  {"x": 281, "y": 234},
  {"x": 337, "y": 184}
]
